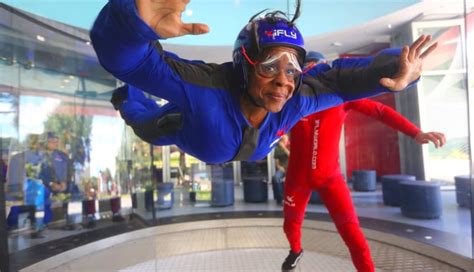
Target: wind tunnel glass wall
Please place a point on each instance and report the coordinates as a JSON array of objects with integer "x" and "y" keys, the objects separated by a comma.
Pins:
[
  {"x": 59, "y": 134},
  {"x": 443, "y": 98}
]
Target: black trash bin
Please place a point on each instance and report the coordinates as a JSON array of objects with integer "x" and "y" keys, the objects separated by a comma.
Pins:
[
  {"x": 149, "y": 199},
  {"x": 192, "y": 196},
  {"x": 134, "y": 201},
  {"x": 255, "y": 189},
  {"x": 165, "y": 195}
]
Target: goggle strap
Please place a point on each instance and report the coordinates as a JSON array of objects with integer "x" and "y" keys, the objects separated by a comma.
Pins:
[{"x": 244, "y": 52}]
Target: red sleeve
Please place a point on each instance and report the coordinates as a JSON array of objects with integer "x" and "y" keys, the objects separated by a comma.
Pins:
[{"x": 384, "y": 114}]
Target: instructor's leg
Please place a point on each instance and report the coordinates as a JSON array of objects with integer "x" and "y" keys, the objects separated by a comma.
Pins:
[
  {"x": 295, "y": 199},
  {"x": 336, "y": 196}
]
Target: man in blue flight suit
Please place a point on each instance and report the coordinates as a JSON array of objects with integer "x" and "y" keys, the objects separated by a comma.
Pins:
[
  {"x": 54, "y": 167},
  {"x": 53, "y": 172}
]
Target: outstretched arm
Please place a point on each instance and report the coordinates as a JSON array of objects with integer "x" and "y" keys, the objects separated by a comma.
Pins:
[
  {"x": 391, "y": 69},
  {"x": 164, "y": 17},
  {"x": 125, "y": 36},
  {"x": 395, "y": 120},
  {"x": 410, "y": 64},
  {"x": 437, "y": 138},
  {"x": 350, "y": 79}
]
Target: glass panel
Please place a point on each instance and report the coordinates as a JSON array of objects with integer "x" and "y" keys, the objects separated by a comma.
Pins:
[
  {"x": 140, "y": 173},
  {"x": 466, "y": 196},
  {"x": 201, "y": 183},
  {"x": 449, "y": 54},
  {"x": 190, "y": 177},
  {"x": 443, "y": 107},
  {"x": 445, "y": 100},
  {"x": 60, "y": 136}
]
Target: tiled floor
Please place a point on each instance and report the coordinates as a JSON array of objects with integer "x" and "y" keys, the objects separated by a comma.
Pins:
[
  {"x": 234, "y": 260},
  {"x": 451, "y": 232},
  {"x": 229, "y": 245},
  {"x": 454, "y": 224}
]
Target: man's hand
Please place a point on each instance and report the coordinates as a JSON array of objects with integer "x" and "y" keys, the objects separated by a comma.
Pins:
[
  {"x": 410, "y": 65},
  {"x": 164, "y": 16},
  {"x": 437, "y": 138}
]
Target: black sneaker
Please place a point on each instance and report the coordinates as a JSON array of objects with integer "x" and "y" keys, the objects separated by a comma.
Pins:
[{"x": 291, "y": 261}]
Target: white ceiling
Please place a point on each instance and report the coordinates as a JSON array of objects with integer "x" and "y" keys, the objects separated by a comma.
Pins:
[
  {"x": 360, "y": 39},
  {"x": 227, "y": 17}
]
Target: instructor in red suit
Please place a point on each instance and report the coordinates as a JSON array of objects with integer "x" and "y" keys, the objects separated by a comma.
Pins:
[{"x": 314, "y": 165}]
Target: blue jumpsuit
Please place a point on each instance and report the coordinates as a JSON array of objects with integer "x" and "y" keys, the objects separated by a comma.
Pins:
[{"x": 203, "y": 116}]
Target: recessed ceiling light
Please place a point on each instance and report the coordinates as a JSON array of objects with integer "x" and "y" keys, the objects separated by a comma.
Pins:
[
  {"x": 40, "y": 38},
  {"x": 336, "y": 44},
  {"x": 428, "y": 237}
]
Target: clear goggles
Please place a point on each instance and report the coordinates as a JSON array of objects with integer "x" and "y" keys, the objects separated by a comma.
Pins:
[{"x": 272, "y": 65}]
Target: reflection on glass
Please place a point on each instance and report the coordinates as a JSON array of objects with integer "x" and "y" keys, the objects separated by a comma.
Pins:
[
  {"x": 200, "y": 182},
  {"x": 444, "y": 101},
  {"x": 190, "y": 176},
  {"x": 60, "y": 136},
  {"x": 449, "y": 54}
]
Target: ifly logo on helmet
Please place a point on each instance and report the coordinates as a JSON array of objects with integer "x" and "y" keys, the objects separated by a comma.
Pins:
[{"x": 281, "y": 32}]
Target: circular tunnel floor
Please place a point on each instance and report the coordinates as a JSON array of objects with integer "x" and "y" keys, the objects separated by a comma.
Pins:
[
  {"x": 230, "y": 245},
  {"x": 261, "y": 259}
]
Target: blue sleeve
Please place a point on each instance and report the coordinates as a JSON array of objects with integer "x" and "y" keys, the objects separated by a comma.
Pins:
[
  {"x": 128, "y": 49},
  {"x": 385, "y": 61},
  {"x": 348, "y": 79},
  {"x": 120, "y": 38}
]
